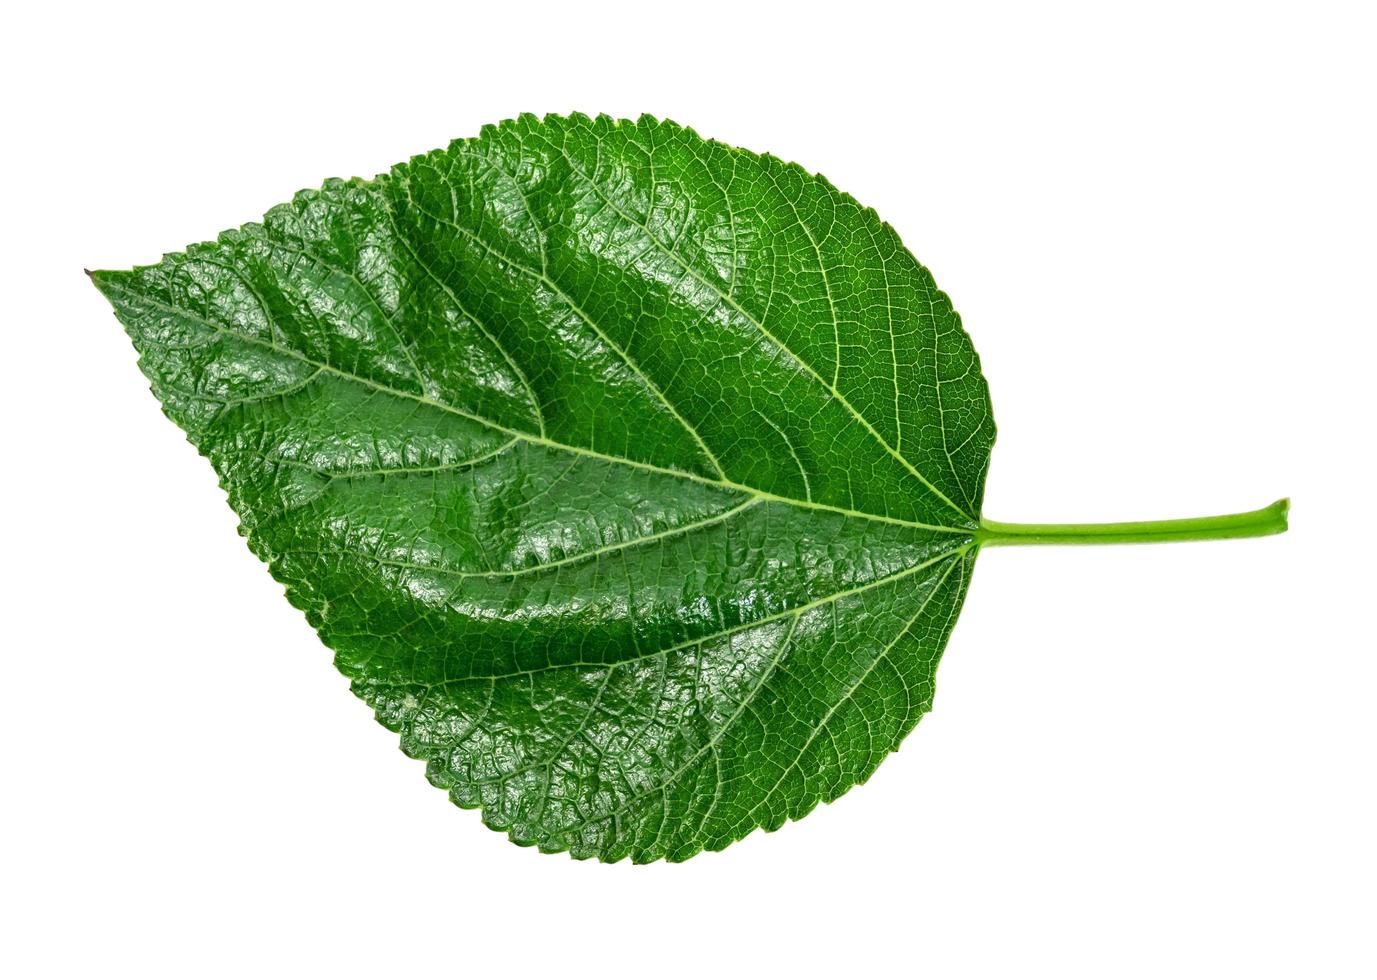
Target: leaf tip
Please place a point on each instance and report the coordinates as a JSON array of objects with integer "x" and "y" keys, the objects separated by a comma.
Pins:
[{"x": 100, "y": 278}]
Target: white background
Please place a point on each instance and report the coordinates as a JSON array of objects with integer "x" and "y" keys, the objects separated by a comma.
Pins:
[{"x": 1143, "y": 762}]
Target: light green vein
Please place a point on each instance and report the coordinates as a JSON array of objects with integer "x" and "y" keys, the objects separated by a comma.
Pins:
[
  {"x": 569, "y": 301},
  {"x": 850, "y": 692},
  {"x": 903, "y": 573},
  {"x": 765, "y": 674},
  {"x": 832, "y": 389},
  {"x": 591, "y": 554},
  {"x": 112, "y": 286}
]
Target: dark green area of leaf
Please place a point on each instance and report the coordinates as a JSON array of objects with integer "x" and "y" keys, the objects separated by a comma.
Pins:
[{"x": 632, "y": 478}]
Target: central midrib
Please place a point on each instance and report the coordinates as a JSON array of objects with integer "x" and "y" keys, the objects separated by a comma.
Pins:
[{"x": 532, "y": 438}]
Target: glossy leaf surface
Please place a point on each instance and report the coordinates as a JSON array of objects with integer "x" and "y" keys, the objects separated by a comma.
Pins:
[{"x": 633, "y": 479}]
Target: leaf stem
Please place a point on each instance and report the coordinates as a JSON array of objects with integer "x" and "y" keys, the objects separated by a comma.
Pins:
[{"x": 1252, "y": 524}]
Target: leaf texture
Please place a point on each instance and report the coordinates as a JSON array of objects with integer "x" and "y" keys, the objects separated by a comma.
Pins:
[{"x": 633, "y": 478}]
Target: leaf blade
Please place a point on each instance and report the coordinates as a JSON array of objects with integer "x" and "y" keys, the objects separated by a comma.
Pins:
[{"x": 551, "y": 488}]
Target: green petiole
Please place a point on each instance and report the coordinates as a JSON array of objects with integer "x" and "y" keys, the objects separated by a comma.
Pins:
[{"x": 1251, "y": 524}]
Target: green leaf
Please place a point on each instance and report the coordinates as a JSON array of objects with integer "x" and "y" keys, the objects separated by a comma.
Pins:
[{"x": 634, "y": 479}]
